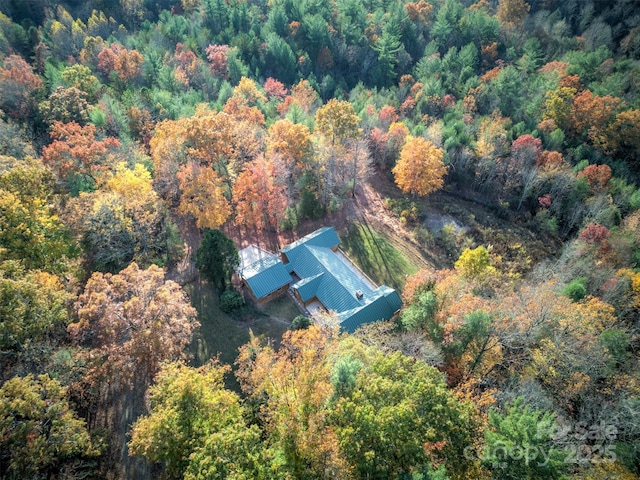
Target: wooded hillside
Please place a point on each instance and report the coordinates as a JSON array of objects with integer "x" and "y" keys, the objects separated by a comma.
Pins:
[{"x": 481, "y": 156}]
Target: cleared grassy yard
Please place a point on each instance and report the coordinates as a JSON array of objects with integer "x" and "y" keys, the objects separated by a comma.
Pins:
[
  {"x": 376, "y": 256},
  {"x": 221, "y": 334}
]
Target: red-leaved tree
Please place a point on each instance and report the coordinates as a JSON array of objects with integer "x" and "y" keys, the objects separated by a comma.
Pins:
[
  {"x": 75, "y": 150},
  {"x": 17, "y": 85}
]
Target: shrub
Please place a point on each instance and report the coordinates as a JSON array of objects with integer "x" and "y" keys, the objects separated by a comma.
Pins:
[
  {"x": 449, "y": 239},
  {"x": 406, "y": 210},
  {"x": 547, "y": 222},
  {"x": 423, "y": 236},
  {"x": 230, "y": 301},
  {"x": 474, "y": 263},
  {"x": 300, "y": 323},
  {"x": 576, "y": 290},
  {"x": 594, "y": 233}
]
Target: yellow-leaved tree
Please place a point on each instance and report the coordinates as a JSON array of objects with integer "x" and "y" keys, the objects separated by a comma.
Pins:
[
  {"x": 337, "y": 123},
  {"x": 124, "y": 221},
  {"x": 203, "y": 196},
  {"x": 511, "y": 13},
  {"x": 475, "y": 263},
  {"x": 420, "y": 170},
  {"x": 291, "y": 141}
]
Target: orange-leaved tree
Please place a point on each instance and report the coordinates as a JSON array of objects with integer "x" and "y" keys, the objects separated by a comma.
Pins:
[
  {"x": 76, "y": 151},
  {"x": 167, "y": 154},
  {"x": 590, "y": 114},
  {"x": 290, "y": 140},
  {"x": 245, "y": 102},
  {"x": 132, "y": 322},
  {"x": 420, "y": 169},
  {"x": 259, "y": 195},
  {"x": 206, "y": 139},
  {"x": 125, "y": 63},
  {"x": 598, "y": 176}
]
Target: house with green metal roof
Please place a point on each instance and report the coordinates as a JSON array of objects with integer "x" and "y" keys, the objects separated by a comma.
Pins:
[{"x": 322, "y": 278}]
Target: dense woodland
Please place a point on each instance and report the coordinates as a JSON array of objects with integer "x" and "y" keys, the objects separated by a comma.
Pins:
[{"x": 127, "y": 124}]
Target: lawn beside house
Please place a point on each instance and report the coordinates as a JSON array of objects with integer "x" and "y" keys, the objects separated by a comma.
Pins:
[
  {"x": 221, "y": 334},
  {"x": 374, "y": 254}
]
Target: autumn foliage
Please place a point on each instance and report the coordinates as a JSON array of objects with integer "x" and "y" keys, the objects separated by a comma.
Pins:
[
  {"x": 274, "y": 88},
  {"x": 526, "y": 149},
  {"x": 291, "y": 141},
  {"x": 129, "y": 132},
  {"x": 39, "y": 431},
  {"x": 259, "y": 195},
  {"x": 590, "y": 114},
  {"x": 512, "y": 12},
  {"x": 594, "y": 234},
  {"x": 217, "y": 55},
  {"x": 76, "y": 150},
  {"x": 125, "y": 63},
  {"x": 420, "y": 169},
  {"x": 598, "y": 176},
  {"x": 203, "y": 196},
  {"x": 132, "y": 322},
  {"x": 17, "y": 85}
]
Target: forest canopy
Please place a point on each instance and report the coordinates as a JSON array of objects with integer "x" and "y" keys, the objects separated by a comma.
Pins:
[{"x": 482, "y": 155}]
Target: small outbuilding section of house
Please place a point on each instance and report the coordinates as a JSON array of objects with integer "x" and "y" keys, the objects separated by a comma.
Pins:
[{"x": 262, "y": 273}]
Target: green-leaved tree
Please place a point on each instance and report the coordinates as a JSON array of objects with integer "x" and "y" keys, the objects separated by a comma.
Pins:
[
  {"x": 519, "y": 444},
  {"x": 196, "y": 426},
  {"x": 217, "y": 258},
  {"x": 39, "y": 432}
]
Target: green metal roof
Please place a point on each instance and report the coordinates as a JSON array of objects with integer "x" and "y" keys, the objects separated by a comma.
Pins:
[
  {"x": 307, "y": 287},
  {"x": 338, "y": 286},
  {"x": 382, "y": 306},
  {"x": 323, "y": 275},
  {"x": 377, "y": 309},
  {"x": 395, "y": 302},
  {"x": 323, "y": 237},
  {"x": 338, "y": 283},
  {"x": 265, "y": 275},
  {"x": 260, "y": 265}
]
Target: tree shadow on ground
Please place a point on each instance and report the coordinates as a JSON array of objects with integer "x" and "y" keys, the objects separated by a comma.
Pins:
[{"x": 375, "y": 255}]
